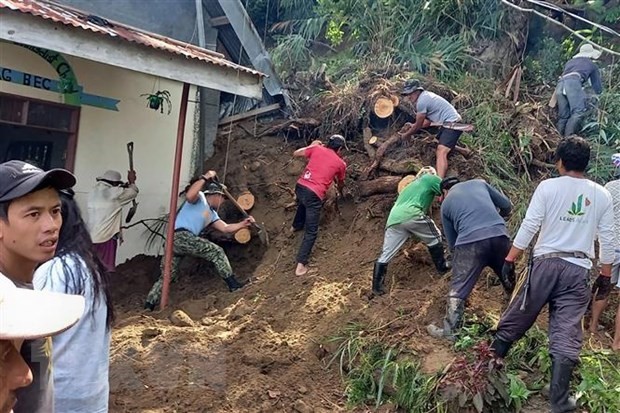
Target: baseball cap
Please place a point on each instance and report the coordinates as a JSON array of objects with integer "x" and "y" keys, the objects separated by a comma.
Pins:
[
  {"x": 411, "y": 86},
  {"x": 18, "y": 178},
  {"x": 448, "y": 183},
  {"x": 213, "y": 188},
  {"x": 30, "y": 314},
  {"x": 337, "y": 141}
]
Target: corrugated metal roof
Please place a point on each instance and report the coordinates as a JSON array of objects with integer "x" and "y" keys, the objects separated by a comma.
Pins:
[{"x": 79, "y": 19}]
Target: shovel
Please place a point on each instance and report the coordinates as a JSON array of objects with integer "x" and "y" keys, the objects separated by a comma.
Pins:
[
  {"x": 262, "y": 232},
  {"x": 134, "y": 204}
]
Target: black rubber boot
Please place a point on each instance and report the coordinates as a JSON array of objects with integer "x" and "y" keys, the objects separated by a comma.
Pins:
[
  {"x": 561, "y": 374},
  {"x": 149, "y": 306},
  {"x": 233, "y": 284},
  {"x": 377, "y": 278},
  {"x": 500, "y": 347},
  {"x": 438, "y": 258},
  {"x": 452, "y": 322}
]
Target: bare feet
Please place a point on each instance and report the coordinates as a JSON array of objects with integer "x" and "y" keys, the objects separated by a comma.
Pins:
[{"x": 301, "y": 269}]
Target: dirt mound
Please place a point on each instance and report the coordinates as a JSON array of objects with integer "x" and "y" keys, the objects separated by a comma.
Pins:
[{"x": 265, "y": 348}]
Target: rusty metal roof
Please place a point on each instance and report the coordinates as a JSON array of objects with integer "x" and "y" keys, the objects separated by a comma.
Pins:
[{"x": 80, "y": 19}]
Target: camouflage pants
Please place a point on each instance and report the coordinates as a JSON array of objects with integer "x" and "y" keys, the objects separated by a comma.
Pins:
[{"x": 186, "y": 243}]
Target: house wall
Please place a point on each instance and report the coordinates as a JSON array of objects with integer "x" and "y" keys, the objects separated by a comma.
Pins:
[{"x": 103, "y": 134}]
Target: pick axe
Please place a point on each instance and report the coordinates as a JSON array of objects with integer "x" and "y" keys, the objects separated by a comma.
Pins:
[{"x": 134, "y": 204}]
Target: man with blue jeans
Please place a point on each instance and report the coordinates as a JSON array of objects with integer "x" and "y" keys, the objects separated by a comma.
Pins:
[{"x": 571, "y": 98}]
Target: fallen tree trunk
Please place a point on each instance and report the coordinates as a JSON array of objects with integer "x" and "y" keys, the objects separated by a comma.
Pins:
[
  {"x": 405, "y": 166},
  {"x": 383, "y": 185}
]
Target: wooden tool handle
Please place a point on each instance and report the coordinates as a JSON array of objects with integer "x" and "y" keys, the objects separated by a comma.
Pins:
[{"x": 130, "y": 152}]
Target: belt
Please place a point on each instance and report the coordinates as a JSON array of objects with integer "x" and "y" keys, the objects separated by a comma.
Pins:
[
  {"x": 561, "y": 255},
  {"x": 182, "y": 230},
  {"x": 571, "y": 74}
]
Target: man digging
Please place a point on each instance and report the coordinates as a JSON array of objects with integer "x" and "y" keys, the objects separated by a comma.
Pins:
[
  {"x": 433, "y": 108},
  {"x": 324, "y": 167},
  {"x": 198, "y": 212},
  {"x": 409, "y": 216},
  {"x": 569, "y": 212},
  {"x": 472, "y": 214}
]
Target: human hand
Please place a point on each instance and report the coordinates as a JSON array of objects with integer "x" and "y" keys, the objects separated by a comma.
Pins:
[
  {"x": 602, "y": 287},
  {"x": 508, "y": 276},
  {"x": 248, "y": 221},
  {"x": 131, "y": 177},
  {"x": 316, "y": 142},
  {"x": 209, "y": 175}
]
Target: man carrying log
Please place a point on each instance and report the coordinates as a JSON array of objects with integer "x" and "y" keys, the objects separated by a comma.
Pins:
[
  {"x": 472, "y": 214},
  {"x": 433, "y": 109},
  {"x": 198, "y": 212},
  {"x": 324, "y": 167},
  {"x": 569, "y": 211},
  {"x": 409, "y": 216},
  {"x": 602, "y": 290}
]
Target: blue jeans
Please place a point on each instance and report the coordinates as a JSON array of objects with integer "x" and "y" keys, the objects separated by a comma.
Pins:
[
  {"x": 571, "y": 105},
  {"x": 307, "y": 216}
]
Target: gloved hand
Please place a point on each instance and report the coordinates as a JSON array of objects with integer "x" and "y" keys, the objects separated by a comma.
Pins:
[
  {"x": 508, "y": 276},
  {"x": 602, "y": 287}
]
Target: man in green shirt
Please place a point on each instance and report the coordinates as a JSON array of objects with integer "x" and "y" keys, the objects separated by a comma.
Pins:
[{"x": 409, "y": 216}]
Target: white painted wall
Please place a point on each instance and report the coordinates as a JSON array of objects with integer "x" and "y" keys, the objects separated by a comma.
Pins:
[{"x": 103, "y": 134}]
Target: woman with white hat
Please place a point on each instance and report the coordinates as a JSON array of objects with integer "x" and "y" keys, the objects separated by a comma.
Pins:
[{"x": 569, "y": 92}]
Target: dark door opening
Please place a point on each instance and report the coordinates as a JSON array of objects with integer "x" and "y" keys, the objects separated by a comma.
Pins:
[{"x": 38, "y": 132}]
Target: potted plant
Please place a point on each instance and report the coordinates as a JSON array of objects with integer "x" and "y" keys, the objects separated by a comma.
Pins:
[{"x": 158, "y": 100}]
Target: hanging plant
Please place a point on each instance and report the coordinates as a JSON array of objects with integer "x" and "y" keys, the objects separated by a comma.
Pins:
[{"x": 158, "y": 100}]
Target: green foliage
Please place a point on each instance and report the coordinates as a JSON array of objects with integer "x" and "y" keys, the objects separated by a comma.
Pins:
[
  {"x": 518, "y": 391},
  {"x": 544, "y": 63},
  {"x": 599, "y": 388},
  {"x": 292, "y": 52}
]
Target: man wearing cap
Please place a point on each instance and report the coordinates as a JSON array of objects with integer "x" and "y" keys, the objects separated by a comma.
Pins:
[
  {"x": 105, "y": 208},
  {"x": 324, "y": 167},
  {"x": 28, "y": 315},
  {"x": 409, "y": 216},
  {"x": 198, "y": 212},
  {"x": 472, "y": 214},
  {"x": 571, "y": 98},
  {"x": 570, "y": 212},
  {"x": 30, "y": 222},
  {"x": 433, "y": 108},
  {"x": 602, "y": 288}
]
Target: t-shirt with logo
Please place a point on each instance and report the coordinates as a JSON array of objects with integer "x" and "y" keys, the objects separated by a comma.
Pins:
[
  {"x": 570, "y": 212},
  {"x": 436, "y": 108},
  {"x": 614, "y": 189},
  {"x": 415, "y": 199},
  {"x": 324, "y": 165},
  {"x": 38, "y": 397},
  {"x": 197, "y": 216}
]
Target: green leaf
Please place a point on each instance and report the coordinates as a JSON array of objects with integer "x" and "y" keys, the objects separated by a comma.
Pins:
[{"x": 478, "y": 403}]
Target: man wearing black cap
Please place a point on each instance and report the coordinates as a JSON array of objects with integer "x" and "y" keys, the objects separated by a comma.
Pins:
[
  {"x": 324, "y": 167},
  {"x": 472, "y": 214},
  {"x": 30, "y": 222},
  {"x": 203, "y": 199},
  {"x": 433, "y": 108}
]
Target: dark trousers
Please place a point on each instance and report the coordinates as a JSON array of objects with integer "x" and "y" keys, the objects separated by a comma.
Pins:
[
  {"x": 470, "y": 259},
  {"x": 565, "y": 287},
  {"x": 307, "y": 216}
]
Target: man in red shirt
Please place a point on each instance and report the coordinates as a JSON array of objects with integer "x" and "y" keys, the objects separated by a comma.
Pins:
[{"x": 324, "y": 167}]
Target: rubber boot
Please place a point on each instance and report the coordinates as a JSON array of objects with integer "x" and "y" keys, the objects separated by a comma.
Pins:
[
  {"x": 233, "y": 284},
  {"x": 438, "y": 258},
  {"x": 561, "y": 374},
  {"x": 377, "y": 278},
  {"x": 500, "y": 347},
  {"x": 149, "y": 306},
  {"x": 452, "y": 322}
]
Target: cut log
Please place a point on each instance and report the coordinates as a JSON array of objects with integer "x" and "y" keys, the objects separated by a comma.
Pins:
[
  {"x": 243, "y": 236},
  {"x": 395, "y": 100},
  {"x": 383, "y": 185},
  {"x": 404, "y": 182},
  {"x": 246, "y": 200},
  {"x": 384, "y": 108},
  {"x": 373, "y": 140},
  {"x": 393, "y": 140}
]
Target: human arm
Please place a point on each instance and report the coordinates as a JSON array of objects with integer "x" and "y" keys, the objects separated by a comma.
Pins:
[
  {"x": 232, "y": 228},
  {"x": 595, "y": 79},
  {"x": 448, "y": 227},
  {"x": 500, "y": 201},
  {"x": 607, "y": 239},
  {"x": 306, "y": 150},
  {"x": 419, "y": 122},
  {"x": 192, "y": 193}
]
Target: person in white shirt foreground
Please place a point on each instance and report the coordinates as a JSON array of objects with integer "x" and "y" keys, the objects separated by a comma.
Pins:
[
  {"x": 105, "y": 210},
  {"x": 600, "y": 302},
  {"x": 28, "y": 315},
  {"x": 80, "y": 355},
  {"x": 569, "y": 211}
]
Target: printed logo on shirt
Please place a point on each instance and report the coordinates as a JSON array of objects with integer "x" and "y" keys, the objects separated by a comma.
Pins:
[
  {"x": 577, "y": 210},
  {"x": 308, "y": 175}
]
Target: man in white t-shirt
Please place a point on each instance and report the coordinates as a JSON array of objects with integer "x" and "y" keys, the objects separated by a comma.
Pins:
[
  {"x": 569, "y": 211},
  {"x": 600, "y": 302}
]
